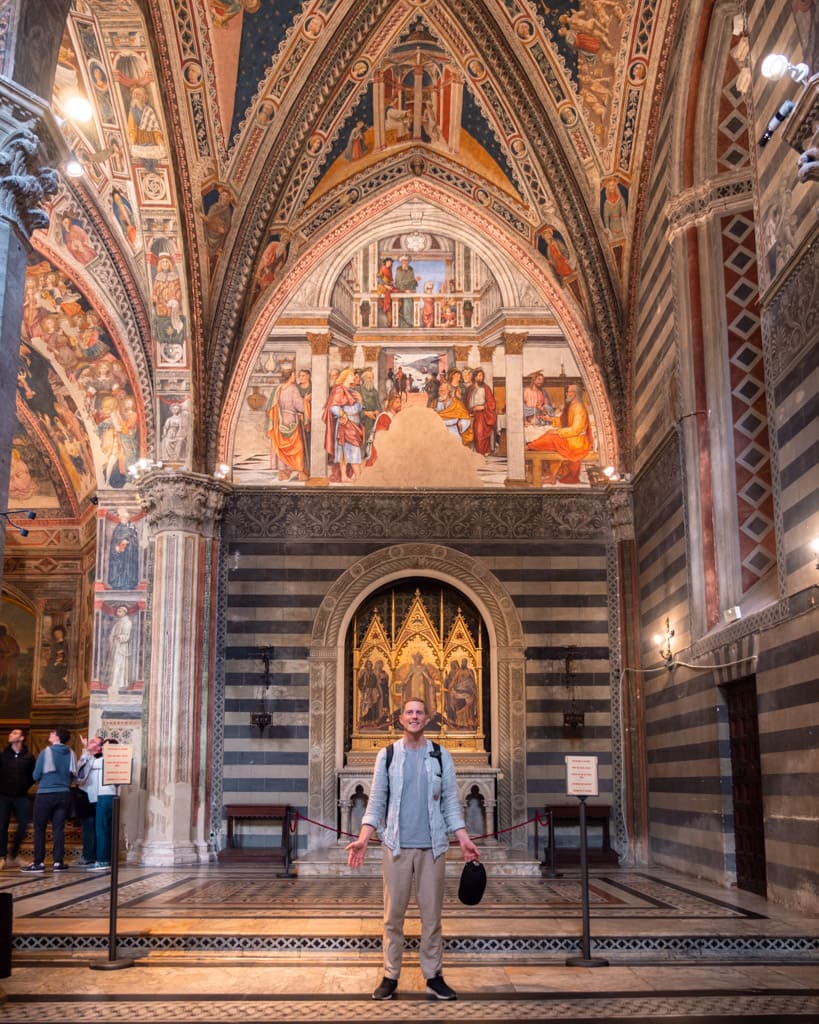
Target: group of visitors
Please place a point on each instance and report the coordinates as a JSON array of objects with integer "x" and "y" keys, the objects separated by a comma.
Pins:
[{"x": 65, "y": 788}]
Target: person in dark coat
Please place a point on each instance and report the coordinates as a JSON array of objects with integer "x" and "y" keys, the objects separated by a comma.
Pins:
[{"x": 16, "y": 778}]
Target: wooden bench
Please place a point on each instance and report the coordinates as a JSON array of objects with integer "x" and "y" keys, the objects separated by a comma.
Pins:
[
  {"x": 597, "y": 816},
  {"x": 257, "y": 812}
]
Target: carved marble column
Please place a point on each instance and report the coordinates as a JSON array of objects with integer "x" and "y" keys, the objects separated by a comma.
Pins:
[
  {"x": 513, "y": 342},
  {"x": 184, "y": 511},
  {"x": 24, "y": 184}
]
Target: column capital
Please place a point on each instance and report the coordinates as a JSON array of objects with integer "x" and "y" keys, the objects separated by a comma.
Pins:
[
  {"x": 184, "y": 502},
  {"x": 513, "y": 342},
  {"x": 26, "y": 143},
  {"x": 319, "y": 342}
]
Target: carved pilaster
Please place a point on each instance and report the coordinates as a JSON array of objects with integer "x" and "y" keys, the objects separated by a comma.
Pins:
[
  {"x": 183, "y": 512},
  {"x": 621, "y": 511}
]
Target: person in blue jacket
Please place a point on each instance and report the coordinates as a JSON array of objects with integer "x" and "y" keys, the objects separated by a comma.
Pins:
[{"x": 54, "y": 772}]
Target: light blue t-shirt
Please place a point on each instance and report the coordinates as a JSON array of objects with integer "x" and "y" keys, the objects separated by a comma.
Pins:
[{"x": 413, "y": 822}]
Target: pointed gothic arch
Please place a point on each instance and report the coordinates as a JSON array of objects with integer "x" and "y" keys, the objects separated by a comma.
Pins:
[{"x": 506, "y": 643}]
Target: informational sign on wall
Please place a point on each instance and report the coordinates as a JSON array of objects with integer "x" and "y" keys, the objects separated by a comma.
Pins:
[
  {"x": 117, "y": 763},
  {"x": 581, "y": 776}
]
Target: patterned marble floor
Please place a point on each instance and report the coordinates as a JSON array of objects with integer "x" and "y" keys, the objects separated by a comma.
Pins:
[{"x": 229, "y": 943}]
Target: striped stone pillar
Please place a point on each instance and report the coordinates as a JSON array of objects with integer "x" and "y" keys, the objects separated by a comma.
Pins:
[{"x": 184, "y": 511}]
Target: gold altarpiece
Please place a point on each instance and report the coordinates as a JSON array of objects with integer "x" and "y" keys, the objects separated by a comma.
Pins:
[
  {"x": 423, "y": 639},
  {"x": 419, "y": 652}
]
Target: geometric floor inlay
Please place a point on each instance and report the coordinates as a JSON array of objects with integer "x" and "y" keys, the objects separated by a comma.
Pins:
[{"x": 168, "y": 894}]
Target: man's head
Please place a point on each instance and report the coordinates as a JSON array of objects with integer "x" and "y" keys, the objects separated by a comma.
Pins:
[
  {"x": 413, "y": 717},
  {"x": 16, "y": 737},
  {"x": 59, "y": 734},
  {"x": 94, "y": 745}
]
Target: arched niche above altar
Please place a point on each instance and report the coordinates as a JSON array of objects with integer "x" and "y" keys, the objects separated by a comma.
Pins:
[{"x": 421, "y": 639}]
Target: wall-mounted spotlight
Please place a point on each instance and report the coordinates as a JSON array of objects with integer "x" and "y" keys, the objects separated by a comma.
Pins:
[
  {"x": 780, "y": 115},
  {"x": 221, "y": 471},
  {"x": 664, "y": 644},
  {"x": 777, "y": 65},
  {"x": 27, "y": 512}
]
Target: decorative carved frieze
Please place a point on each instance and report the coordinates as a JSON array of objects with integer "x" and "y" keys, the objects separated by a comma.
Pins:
[
  {"x": 790, "y": 323},
  {"x": 435, "y": 515},
  {"x": 185, "y": 502}
]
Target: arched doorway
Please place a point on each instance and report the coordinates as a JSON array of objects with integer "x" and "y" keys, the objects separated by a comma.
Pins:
[{"x": 506, "y": 742}]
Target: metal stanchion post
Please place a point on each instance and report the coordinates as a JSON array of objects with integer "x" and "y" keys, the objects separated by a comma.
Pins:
[
  {"x": 585, "y": 959},
  {"x": 112, "y": 963},
  {"x": 550, "y": 870}
]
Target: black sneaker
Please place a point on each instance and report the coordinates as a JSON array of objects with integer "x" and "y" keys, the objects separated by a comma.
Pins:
[
  {"x": 438, "y": 987},
  {"x": 386, "y": 990},
  {"x": 33, "y": 869},
  {"x": 59, "y": 866}
]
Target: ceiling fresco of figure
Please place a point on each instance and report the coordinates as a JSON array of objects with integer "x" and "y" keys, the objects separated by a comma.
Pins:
[{"x": 409, "y": 180}]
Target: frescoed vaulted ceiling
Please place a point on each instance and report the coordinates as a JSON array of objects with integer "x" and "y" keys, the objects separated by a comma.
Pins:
[{"x": 247, "y": 165}]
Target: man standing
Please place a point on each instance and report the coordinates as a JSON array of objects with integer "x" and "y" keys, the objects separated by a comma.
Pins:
[
  {"x": 406, "y": 281},
  {"x": 288, "y": 444},
  {"x": 416, "y": 795},
  {"x": 343, "y": 433},
  {"x": 89, "y": 776},
  {"x": 16, "y": 778},
  {"x": 481, "y": 404},
  {"x": 55, "y": 770}
]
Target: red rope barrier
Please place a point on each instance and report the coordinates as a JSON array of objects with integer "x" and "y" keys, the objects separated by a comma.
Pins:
[{"x": 488, "y": 835}]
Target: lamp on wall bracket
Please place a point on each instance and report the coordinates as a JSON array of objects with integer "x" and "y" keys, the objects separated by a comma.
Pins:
[
  {"x": 261, "y": 717},
  {"x": 27, "y": 513},
  {"x": 663, "y": 642},
  {"x": 777, "y": 65}
]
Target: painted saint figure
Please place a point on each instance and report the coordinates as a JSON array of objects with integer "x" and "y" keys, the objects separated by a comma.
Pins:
[
  {"x": 572, "y": 439},
  {"x": 480, "y": 401},
  {"x": 119, "y": 651},
  {"x": 406, "y": 281},
  {"x": 343, "y": 433},
  {"x": 123, "y": 560},
  {"x": 289, "y": 451}
]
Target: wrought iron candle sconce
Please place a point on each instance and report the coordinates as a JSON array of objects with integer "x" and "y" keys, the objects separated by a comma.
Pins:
[
  {"x": 573, "y": 718},
  {"x": 261, "y": 717}
]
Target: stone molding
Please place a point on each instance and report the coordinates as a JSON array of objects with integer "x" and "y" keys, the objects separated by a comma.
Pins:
[
  {"x": 702, "y": 204},
  {"x": 184, "y": 502}
]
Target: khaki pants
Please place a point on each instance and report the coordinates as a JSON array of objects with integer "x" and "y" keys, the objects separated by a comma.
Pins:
[{"x": 429, "y": 873}]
